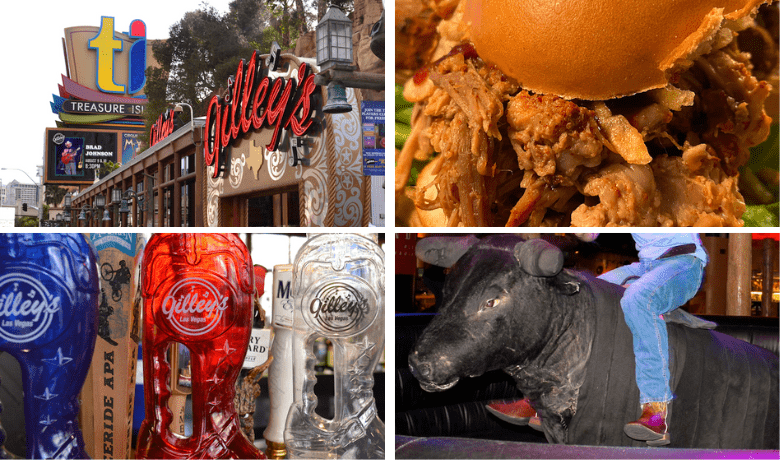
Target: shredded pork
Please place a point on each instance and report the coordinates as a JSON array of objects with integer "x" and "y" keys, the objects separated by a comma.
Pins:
[
  {"x": 553, "y": 137},
  {"x": 506, "y": 156}
]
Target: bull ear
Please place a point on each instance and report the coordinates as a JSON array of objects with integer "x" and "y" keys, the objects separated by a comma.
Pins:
[
  {"x": 569, "y": 287},
  {"x": 539, "y": 258},
  {"x": 443, "y": 251}
]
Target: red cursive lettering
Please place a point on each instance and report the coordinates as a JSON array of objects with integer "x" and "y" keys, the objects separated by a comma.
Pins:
[
  {"x": 276, "y": 103},
  {"x": 162, "y": 128},
  {"x": 301, "y": 125}
]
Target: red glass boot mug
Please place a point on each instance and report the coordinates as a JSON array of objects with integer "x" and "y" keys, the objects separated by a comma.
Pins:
[{"x": 197, "y": 291}]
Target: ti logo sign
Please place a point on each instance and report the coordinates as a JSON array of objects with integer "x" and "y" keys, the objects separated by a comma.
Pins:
[{"x": 105, "y": 44}]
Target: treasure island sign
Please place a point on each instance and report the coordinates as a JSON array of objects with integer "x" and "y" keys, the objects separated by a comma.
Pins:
[{"x": 255, "y": 101}]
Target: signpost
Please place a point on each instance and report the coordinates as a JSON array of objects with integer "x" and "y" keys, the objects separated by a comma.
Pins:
[{"x": 100, "y": 101}]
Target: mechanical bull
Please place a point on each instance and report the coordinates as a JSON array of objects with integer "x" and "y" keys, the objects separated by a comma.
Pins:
[{"x": 508, "y": 304}]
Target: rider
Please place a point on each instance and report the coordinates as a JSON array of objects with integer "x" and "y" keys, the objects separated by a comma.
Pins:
[{"x": 668, "y": 274}]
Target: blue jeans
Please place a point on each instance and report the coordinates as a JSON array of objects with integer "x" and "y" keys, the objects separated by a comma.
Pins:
[{"x": 662, "y": 286}]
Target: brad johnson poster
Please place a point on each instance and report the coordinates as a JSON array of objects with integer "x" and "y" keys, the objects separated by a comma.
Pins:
[{"x": 72, "y": 156}]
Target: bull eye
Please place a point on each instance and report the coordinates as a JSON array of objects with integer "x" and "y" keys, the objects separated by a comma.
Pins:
[{"x": 489, "y": 303}]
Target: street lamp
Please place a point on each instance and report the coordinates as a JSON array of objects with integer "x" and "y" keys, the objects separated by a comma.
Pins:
[
  {"x": 334, "y": 51},
  {"x": 334, "y": 57},
  {"x": 178, "y": 108},
  {"x": 87, "y": 214},
  {"x": 334, "y": 40},
  {"x": 67, "y": 202},
  {"x": 116, "y": 200},
  {"x": 100, "y": 203},
  {"x": 124, "y": 208}
]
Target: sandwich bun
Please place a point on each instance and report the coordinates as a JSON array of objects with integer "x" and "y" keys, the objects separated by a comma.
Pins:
[{"x": 596, "y": 49}]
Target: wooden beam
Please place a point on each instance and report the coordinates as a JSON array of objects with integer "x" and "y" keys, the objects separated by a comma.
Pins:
[{"x": 739, "y": 273}]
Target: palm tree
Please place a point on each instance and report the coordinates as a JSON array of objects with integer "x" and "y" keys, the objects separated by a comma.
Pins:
[{"x": 54, "y": 194}]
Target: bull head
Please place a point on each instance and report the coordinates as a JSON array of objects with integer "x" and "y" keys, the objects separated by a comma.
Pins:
[{"x": 497, "y": 309}]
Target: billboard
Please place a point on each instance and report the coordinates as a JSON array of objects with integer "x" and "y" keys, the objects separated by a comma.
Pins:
[
  {"x": 131, "y": 146},
  {"x": 73, "y": 155}
]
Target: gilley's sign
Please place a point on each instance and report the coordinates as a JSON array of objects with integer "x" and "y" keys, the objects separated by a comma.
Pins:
[
  {"x": 254, "y": 102},
  {"x": 162, "y": 128}
]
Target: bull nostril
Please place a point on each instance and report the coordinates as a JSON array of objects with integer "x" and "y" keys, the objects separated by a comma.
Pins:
[
  {"x": 426, "y": 369},
  {"x": 423, "y": 370},
  {"x": 420, "y": 369}
]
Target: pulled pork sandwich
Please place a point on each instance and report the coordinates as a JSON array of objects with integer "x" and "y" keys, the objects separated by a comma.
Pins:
[{"x": 582, "y": 113}]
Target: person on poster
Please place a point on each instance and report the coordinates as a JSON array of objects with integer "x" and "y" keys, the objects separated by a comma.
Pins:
[{"x": 69, "y": 158}]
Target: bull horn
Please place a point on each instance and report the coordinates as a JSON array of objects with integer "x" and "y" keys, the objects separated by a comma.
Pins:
[
  {"x": 587, "y": 237},
  {"x": 539, "y": 258},
  {"x": 443, "y": 251}
]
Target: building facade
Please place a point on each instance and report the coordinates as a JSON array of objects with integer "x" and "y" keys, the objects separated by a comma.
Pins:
[
  {"x": 17, "y": 193},
  {"x": 266, "y": 154},
  {"x": 205, "y": 174},
  {"x": 158, "y": 188}
]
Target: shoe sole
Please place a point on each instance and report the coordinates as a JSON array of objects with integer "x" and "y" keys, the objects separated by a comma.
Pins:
[
  {"x": 642, "y": 433},
  {"x": 536, "y": 424},
  {"x": 533, "y": 422},
  {"x": 521, "y": 421}
]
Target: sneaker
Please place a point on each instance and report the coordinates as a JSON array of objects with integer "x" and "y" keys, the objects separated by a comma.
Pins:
[
  {"x": 651, "y": 426},
  {"x": 518, "y": 412}
]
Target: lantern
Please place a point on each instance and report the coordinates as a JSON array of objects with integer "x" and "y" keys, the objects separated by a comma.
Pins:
[{"x": 334, "y": 39}]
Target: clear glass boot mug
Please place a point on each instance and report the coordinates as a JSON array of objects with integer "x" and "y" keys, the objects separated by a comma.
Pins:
[{"x": 338, "y": 287}]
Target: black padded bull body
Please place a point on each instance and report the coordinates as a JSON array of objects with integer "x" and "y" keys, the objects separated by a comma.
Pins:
[{"x": 562, "y": 337}]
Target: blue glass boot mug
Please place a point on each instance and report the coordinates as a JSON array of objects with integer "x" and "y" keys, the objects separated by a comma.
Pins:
[{"x": 48, "y": 323}]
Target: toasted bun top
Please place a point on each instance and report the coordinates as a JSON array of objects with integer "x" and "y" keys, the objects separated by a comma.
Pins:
[{"x": 594, "y": 49}]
